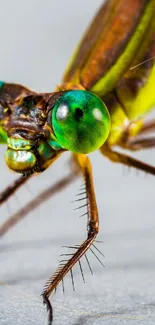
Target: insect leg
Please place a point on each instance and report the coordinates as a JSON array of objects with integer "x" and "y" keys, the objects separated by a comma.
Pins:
[
  {"x": 140, "y": 143},
  {"x": 33, "y": 204},
  {"x": 124, "y": 159},
  {"x": 149, "y": 126},
  {"x": 4, "y": 195},
  {"x": 93, "y": 227}
]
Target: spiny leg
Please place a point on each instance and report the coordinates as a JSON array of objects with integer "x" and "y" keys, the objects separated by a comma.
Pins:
[
  {"x": 148, "y": 126},
  {"x": 93, "y": 227},
  {"x": 142, "y": 140},
  {"x": 124, "y": 159},
  {"x": 139, "y": 143},
  {"x": 11, "y": 189},
  {"x": 33, "y": 204}
]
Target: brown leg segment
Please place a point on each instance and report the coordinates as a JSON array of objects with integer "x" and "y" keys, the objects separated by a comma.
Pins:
[
  {"x": 13, "y": 188},
  {"x": 142, "y": 140},
  {"x": 139, "y": 143},
  {"x": 149, "y": 126},
  {"x": 38, "y": 200},
  {"x": 93, "y": 227},
  {"x": 126, "y": 160}
]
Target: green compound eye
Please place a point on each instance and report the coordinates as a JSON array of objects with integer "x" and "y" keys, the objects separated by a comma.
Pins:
[{"x": 81, "y": 121}]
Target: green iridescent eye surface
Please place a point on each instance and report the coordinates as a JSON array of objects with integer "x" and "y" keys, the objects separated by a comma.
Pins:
[{"x": 80, "y": 121}]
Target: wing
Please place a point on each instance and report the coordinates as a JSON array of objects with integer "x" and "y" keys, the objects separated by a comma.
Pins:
[{"x": 120, "y": 32}]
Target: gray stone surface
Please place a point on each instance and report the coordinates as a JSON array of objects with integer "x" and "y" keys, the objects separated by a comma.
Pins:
[{"x": 37, "y": 38}]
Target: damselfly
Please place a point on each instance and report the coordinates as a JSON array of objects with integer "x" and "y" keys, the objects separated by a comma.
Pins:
[{"x": 100, "y": 103}]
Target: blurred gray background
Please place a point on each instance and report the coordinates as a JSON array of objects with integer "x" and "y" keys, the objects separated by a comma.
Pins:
[{"x": 36, "y": 40}]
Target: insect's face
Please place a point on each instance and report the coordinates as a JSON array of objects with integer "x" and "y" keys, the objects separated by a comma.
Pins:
[
  {"x": 39, "y": 129},
  {"x": 27, "y": 135}
]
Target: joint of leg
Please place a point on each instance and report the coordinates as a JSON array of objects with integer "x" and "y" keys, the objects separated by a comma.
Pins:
[{"x": 93, "y": 228}]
